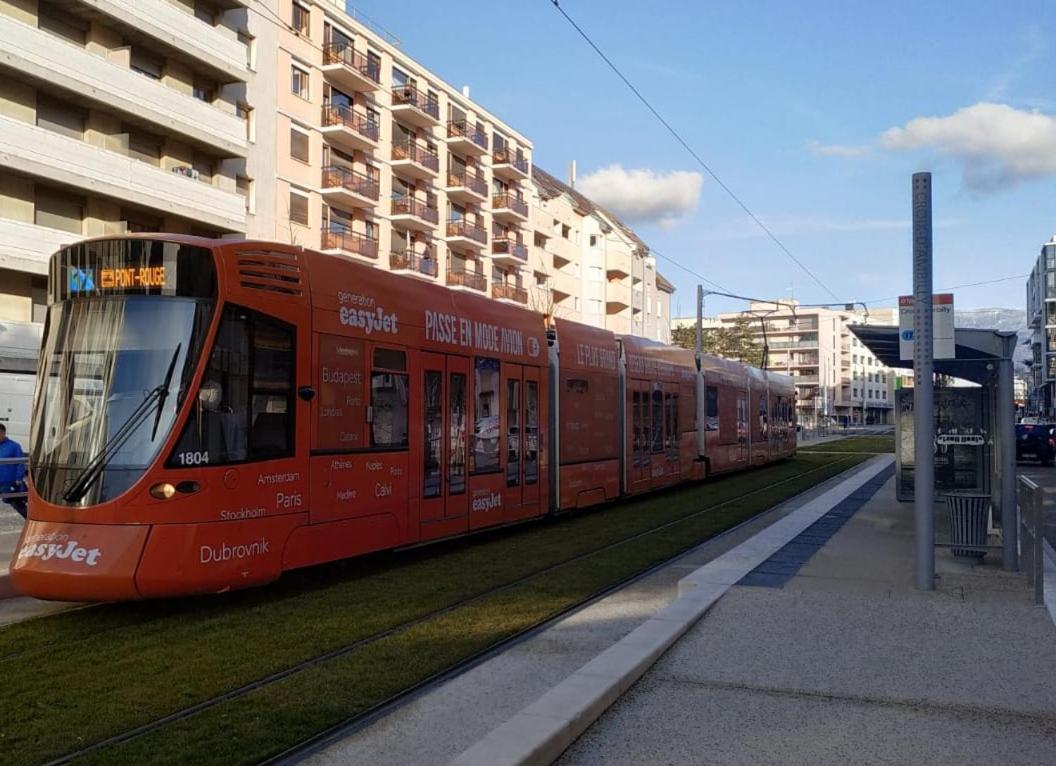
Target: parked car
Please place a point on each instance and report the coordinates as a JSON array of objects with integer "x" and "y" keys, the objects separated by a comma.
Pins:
[{"x": 1036, "y": 441}]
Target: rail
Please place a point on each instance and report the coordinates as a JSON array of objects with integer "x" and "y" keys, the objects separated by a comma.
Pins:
[
  {"x": 509, "y": 201},
  {"x": 462, "y": 278},
  {"x": 1031, "y": 501},
  {"x": 462, "y": 129},
  {"x": 509, "y": 246},
  {"x": 507, "y": 157},
  {"x": 410, "y": 95},
  {"x": 415, "y": 153},
  {"x": 343, "y": 53},
  {"x": 338, "y": 237},
  {"x": 340, "y": 114},
  {"x": 471, "y": 181},
  {"x": 338, "y": 176},
  {"x": 500, "y": 291},
  {"x": 408, "y": 206},
  {"x": 408, "y": 260},
  {"x": 460, "y": 227}
]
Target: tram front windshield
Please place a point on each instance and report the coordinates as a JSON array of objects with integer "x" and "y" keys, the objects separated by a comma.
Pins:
[{"x": 116, "y": 363}]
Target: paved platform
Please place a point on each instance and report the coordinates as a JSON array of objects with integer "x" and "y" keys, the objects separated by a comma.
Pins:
[
  {"x": 13, "y": 606},
  {"x": 438, "y": 726},
  {"x": 847, "y": 662}
]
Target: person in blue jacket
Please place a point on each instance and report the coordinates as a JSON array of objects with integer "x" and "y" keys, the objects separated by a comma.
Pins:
[{"x": 12, "y": 475}]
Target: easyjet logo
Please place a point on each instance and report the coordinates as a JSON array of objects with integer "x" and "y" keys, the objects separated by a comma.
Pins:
[
  {"x": 71, "y": 550},
  {"x": 487, "y": 502},
  {"x": 369, "y": 321}
]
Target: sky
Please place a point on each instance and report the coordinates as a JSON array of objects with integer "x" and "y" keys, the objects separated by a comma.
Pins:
[{"x": 815, "y": 114}]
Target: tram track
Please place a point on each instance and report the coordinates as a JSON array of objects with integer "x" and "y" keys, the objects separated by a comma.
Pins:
[{"x": 381, "y": 708}]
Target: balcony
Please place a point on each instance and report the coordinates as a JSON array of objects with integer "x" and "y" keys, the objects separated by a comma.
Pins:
[
  {"x": 464, "y": 186},
  {"x": 508, "y": 251},
  {"x": 414, "y": 214},
  {"x": 27, "y": 247},
  {"x": 618, "y": 264},
  {"x": 347, "y": 186},
  {"x": 409, "y": 262},
  {"x": 414, "y": 106},
  {"x": 66, "y": 161},
  {"x": 46, "y": 58},
  {"x": 465, "y": 137},
  {"x": 510, "y": 293},
  {"x": 617, "y": 296},
  {"x": 348, "y": 128},
  {"x": 509, "y": 207},
  {"x": 342, "y": 239},
  {"x": 805, "y": 380},
  {"x": 349, "y": 69},
  {"x": 564, "y": 283},
  {"x": 506, "y": 163},
  {"x": 466, "y": 235},
  {"x": 470, "y": 280},
  {"x": 415, "y": 160},
  {"x": 170, "y": 25}
]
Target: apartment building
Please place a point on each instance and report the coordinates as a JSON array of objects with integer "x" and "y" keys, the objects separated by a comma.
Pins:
[
  {"x": 1041, "y": 319},
  {"x": 120, "y": 116},
  {"x": 590, "y": 267},
  {"x": 380, "y": 160},
  {"x": 837, "y": 378}
]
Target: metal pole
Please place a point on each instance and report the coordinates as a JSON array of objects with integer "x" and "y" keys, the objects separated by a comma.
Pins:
[
  {"x": 701, "y": 414},
  {"x": 1006, "y": 450},
  {"x": 923, "y": 391}
]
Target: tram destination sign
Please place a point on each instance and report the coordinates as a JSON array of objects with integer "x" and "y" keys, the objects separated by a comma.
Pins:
[{"x": 942, "y": 330}]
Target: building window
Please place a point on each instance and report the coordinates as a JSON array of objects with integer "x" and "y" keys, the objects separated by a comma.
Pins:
[
  {"x": 302, "y": 19},
  {"x": 298, "y": 207},
  {"x": 204, "y": 90},
  {"x": 146, "y": 64},
  {"x": 58, "y": 210},
  {"x": 565, "y": 231},
  {"x": 61, "y": 23},
  {"x": 244, "y": 186},
  {"x": 143, "y": 146},
  {"x": 251, "y": 48},
  {"x": 299, "y": 143},
  {"x": 60, "y": 117},
  {"x": 299, "y": 82},
  {"x": 593, "y": 240}
]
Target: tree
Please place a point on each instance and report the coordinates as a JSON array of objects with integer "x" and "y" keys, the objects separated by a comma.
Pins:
[{"x": 737, "y": 341}]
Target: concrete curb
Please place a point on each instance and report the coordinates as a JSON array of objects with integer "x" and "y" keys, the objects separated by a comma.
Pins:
[{"x": 539, "y": 733}]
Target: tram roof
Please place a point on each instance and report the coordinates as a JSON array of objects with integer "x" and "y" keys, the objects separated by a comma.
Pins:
[{"x": 976, "y": 351}]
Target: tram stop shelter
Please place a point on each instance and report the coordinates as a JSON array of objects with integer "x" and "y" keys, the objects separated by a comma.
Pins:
[{"x": 983, "y": 357}]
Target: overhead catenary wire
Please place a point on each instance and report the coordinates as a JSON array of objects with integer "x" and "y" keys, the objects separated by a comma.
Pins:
[
  {"x": 954, "y": 287},
  {"x": 700, "y": 161}
]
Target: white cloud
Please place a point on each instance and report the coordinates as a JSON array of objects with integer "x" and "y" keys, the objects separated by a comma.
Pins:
[
  {"x": 996, "y": 145},
  {"x": 836, "y": 150},
  {"x": 643, "y": 196}
]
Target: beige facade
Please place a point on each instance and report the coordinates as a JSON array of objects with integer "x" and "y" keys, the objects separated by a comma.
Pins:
[
  {"x": 380, "y": 160},
  {"x": 114, "y": 117},
  {"x": 837, "y": 378},
  {"x": 589, "y": 267}
]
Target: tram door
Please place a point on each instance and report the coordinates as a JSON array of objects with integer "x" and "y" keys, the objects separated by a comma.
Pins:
[
  {"x": 521, "y": 399},
  {"x": 641, "y": 432},
  {"x": 445, "y": 397}
]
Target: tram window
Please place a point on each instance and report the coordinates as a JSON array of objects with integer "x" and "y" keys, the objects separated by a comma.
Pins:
[
  {"x": 658, "y": 419},
  {"x": 456, "y": 478},
  {"x": 713, "y": 408},
  {"x": 434, "y": 434},
  {"x": 636, "y": 424},
  {"x": 486, "y": 415},
  {"x": 244, "y": 406},
  {"x": 388, "y": 399},
  {"x": 764, "y": 423},
  {"x": 671, "y": 402},
  {"x": 531, "y": 432},
  {"x": 577, "y": 386},
  {"x": 513, "y": 433}
]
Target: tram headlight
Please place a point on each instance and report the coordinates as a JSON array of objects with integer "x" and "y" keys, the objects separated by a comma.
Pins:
[{"x": 162, "y": 491}]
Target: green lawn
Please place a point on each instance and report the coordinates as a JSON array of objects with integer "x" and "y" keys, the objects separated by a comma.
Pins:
[
  {"x": 78, "y": 678},
  {"x": 865, "y": 444}
]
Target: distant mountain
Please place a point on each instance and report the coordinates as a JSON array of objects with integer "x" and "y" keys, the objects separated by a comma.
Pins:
[{"x": 1007, "y": 320}]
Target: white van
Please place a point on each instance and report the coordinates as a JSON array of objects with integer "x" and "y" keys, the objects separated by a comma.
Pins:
[{"x": 19, "y": 351}]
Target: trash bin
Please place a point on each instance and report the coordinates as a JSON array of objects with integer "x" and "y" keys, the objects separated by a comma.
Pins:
[{"x": 967, "y": 514}]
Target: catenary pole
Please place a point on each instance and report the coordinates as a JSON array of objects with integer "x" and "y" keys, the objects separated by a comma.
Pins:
[{"x": 923, "y": 386}]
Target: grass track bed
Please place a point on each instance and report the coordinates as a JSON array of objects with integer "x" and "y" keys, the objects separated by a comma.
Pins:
[
  {"x": 863, "y": 444},
  {"x": 78, "y": 678}
]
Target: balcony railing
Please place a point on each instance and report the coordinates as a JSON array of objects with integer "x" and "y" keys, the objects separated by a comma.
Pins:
[
  {"x": 416, "y": 153},
  {"x": 509, "y": 292},
  {"x": 463, "y": 278},
  {"x": 471, "y": 181},
  {"x": 338, "y": 176},
  {"x": 343, "y": 53},
  {"x": 505, "y": 245},
  {"x": 460, "y": 227},
  {"x": 408, "y": 260},
  {"x": 510, "y": 201},
  {"x": 510, "y": 157},
  {"x": 339, "y": 237},
  {"x": 339, "y": 114},
  {"x": 463, "y": 129},
  {"x": 424, "y": 102},
  {"x": 408, "y": 206}
]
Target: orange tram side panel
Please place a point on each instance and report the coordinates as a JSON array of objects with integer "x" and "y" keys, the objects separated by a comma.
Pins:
[{"x": 412, "y": 412}]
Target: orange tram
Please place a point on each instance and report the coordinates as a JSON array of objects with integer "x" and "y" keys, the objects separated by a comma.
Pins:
[{"x": 211, "y": 413}]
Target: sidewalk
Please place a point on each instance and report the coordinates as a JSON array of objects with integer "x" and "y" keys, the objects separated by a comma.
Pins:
[
  {"x": 847, "y": 662},
  {"x": 446, "y": 721}
]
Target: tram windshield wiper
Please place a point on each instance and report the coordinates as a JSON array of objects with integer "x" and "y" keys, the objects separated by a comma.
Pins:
[{"x": 94, "y": 468}]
